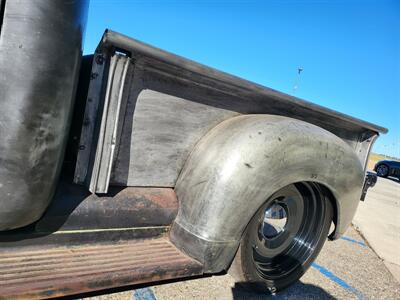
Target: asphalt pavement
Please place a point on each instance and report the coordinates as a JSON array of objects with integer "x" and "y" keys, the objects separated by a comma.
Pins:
[{"x": 350, "y": 268}]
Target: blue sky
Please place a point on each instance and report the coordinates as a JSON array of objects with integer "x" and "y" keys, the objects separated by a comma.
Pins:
[{"x": 349, "y": 50}]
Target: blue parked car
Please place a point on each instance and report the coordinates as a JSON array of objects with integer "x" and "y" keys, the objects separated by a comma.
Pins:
[{"x": 385, "y": 168}]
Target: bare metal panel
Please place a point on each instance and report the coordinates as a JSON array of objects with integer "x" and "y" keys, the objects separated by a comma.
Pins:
[
  {"x": 172, "y": 103},
  {"x": 165, "y": 129},
  {"x": 241, "y": 163},
  {"x": 166, "y": 116}
]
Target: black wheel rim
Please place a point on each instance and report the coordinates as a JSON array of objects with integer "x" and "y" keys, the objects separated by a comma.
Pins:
[
  {"x": 289, "y": 229},
  {"x": 382, "y": 170}
]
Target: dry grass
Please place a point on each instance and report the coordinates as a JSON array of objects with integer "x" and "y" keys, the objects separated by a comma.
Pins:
[{"x": 373, "y": 159}]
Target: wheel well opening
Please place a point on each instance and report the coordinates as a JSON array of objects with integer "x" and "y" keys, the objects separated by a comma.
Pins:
[
  {"x": 327, "y": 192},
  {"x": 293, "y": 239}
]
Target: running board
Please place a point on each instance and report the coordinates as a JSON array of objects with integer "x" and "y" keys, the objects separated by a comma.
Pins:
[{"x": 55, "y": 272}]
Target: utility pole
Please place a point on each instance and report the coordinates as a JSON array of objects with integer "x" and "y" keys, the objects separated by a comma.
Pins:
[{"x": 297, "y": 80}]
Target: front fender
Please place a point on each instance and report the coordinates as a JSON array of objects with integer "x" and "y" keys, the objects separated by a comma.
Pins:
[
  {"x": 40, "y": 54},
  {"x": 240, "y": 163}
]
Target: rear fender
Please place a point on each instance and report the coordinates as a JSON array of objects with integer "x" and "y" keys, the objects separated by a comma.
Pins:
[{"x": 243, "y": 161}]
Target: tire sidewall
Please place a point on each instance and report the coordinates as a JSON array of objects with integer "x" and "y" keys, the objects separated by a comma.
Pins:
[
  {"x": 382, "y": 175},
  {"x": 249, "y": 271}
]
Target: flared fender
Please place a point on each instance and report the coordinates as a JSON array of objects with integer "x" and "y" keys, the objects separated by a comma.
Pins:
[{"x": 244, "y": 160}]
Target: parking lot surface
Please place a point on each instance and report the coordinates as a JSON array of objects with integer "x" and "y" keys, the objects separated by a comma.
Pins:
[
  {"x": 345, "y": 269},
  {"x": 378, "y": 219}
]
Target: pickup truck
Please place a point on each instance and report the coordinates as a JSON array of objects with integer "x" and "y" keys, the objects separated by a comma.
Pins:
[{"x": 134, "y": 165}]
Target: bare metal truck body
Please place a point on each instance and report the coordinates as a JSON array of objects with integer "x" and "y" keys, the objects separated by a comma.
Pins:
[{"x": 146, "y": 166}]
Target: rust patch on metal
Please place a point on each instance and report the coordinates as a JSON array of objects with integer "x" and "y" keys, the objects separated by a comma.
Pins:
[
  {"x": 125, "y": 207},
  {"x": 67, "y": 271},
  {"x": 161, "y": 197}
]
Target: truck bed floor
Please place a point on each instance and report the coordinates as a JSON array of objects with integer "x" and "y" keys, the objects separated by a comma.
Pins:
[{"x": 54, "y": 272}]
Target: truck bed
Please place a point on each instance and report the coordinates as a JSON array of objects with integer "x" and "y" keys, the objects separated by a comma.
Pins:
[{"x": 147, "y": 108}]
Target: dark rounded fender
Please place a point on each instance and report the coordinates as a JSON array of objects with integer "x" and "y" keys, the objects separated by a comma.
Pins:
[
  {"x": 244, "y": 160},
  {"x": 40, "y": 53}
]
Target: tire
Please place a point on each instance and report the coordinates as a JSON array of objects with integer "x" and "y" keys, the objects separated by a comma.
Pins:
[
  {"x": 382, "y": 170},
  {"x": 283, "y": 238}
]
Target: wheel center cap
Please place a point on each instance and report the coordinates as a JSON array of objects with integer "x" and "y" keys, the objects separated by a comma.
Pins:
[{"x": 275, "y": 220}]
